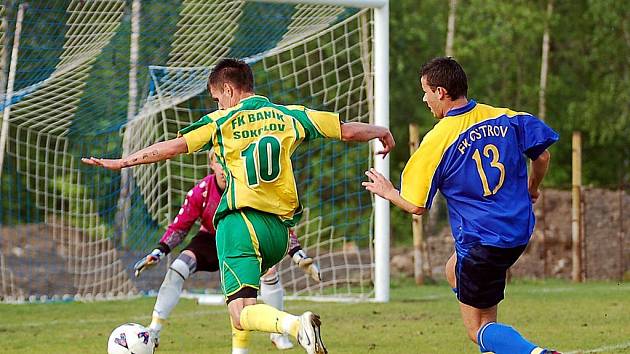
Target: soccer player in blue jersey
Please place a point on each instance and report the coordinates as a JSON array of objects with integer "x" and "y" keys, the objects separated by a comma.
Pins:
[{"x": 476, "y": 155}]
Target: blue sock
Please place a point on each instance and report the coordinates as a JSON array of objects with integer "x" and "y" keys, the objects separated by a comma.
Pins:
[{"x": 501, "y": 339}]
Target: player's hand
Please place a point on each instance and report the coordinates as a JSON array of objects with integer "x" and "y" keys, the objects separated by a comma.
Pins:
[
  {"x": 115, "y": 164},
  {"x": 148, "y": 261},
  {"x": 534, "y": 194},
  {"x": 388, "y": 143},
  {"x": 307, "y": 265},
  {"x": 378, "y": 184}
]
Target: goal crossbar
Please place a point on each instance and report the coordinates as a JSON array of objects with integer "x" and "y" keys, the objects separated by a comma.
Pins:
[{"x": 348, "y": 3}]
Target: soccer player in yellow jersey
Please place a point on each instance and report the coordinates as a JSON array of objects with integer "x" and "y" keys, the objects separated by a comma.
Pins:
[{"x": 254, "y": 139}]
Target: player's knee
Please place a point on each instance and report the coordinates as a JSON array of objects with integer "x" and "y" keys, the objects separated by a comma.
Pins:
[
  {"x": 236, "y": 321},
  {"x": 189, "y": 257},
  {"x": 271, "y": 273},
  {"x": 271, "y": 277},
  {"x": 184, "y": 265},
  {"x": 236, "y": 306},
  {"x": 473, "y": 330}
]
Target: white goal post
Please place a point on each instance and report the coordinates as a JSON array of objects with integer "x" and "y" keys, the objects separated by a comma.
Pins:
[{"x": 381, "y": 117}]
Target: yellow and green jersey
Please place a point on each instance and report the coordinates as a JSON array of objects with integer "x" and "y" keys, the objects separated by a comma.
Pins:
[{"x": 254, "y": 141}]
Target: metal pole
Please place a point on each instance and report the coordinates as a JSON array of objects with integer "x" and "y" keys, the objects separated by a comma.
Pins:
[
  {"x": 124, "y": 202},
  {"x": 381, "y": 108},
  {"x": 11, "y": 82},
  {"x": 133, "y": 59}
]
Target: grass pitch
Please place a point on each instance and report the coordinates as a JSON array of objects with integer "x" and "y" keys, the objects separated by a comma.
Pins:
[{"x": 583, "y": 318}]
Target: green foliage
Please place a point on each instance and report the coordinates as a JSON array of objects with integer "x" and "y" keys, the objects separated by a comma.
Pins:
[{"x": 499, "y": 43}]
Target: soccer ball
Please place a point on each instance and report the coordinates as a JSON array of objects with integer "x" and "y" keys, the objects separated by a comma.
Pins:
[{"x": 130, "y": 338}]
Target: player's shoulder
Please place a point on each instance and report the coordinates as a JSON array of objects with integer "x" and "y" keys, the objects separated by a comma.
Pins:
[
  {"x": 295, "y": 110},
  {"x": 217, "y": 115},
  {"x": 489, "y": 111},
  {"x": 295, "y": 107}
]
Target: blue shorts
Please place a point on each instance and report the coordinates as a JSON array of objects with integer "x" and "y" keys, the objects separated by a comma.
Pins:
[{"x": 481, "y": 274}]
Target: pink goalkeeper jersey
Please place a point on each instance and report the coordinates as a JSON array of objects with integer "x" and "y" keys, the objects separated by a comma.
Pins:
[{"x": 201, "y": 202}]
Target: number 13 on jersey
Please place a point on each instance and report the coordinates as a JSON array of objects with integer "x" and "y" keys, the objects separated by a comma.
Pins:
[{"x": 490, "y": 148}]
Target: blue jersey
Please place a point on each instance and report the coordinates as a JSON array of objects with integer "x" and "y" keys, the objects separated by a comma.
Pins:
[{"x": 476, "y": 156}]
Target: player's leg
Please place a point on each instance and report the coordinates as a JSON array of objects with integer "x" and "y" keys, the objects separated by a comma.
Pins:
[
  {"x": 248, "y": 242},
  {"x": 199, "y": 255},
  {"x": 480, "y": 283},
  {"x": 272, "y": 294},
  {"x": 450, "y": 272},
  {"x": 171, "y": 289}
]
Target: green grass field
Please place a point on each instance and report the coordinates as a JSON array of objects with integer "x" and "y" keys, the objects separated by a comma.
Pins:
[{"x": 587, "y": 318}]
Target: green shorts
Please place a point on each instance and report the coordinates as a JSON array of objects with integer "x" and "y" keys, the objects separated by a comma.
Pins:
[{"x": 249, "y": 242}]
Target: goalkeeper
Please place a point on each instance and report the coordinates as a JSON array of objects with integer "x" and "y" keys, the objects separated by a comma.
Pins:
[{"x": 201, "y": 255}]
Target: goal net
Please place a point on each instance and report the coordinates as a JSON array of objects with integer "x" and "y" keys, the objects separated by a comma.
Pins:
[{"x": 70, "y": 231}]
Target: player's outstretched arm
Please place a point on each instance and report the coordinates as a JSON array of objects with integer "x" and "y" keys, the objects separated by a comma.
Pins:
[
  {"x": 538, "y": 171},
  {"x": 382, "y": 187},
  {"x": 357, "y": 131},
  {"x": 161, "y": 151}
]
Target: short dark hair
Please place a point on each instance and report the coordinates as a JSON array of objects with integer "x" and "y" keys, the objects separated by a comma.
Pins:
[
  {"x": 446, "y": 72},
  {"x": 234, "y": 71}
]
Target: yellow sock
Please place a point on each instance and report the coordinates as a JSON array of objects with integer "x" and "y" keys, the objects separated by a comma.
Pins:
[
  {"x": 240, "y": 338},
  {"x": 264, "y": 318}
]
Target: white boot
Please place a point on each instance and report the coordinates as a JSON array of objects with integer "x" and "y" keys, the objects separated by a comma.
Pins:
[{"x": 308, "y": 334}]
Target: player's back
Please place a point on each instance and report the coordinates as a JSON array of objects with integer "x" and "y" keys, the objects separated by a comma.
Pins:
[
  {"x": 255, "y": 144},
  {"x": 480, "y": 166},
  {"x": 254, "y": 141}
]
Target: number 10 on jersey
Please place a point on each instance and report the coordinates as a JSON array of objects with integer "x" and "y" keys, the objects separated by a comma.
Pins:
[{"x": 262, "y": 160}]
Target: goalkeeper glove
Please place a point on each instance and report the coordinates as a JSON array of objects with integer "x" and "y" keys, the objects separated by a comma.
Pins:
[
  {"x": 148, "y": 261},
  {"x": 307, "y": 265}
]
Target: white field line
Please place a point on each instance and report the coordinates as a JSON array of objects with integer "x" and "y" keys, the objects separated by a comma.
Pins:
[{"x": 607, "y": 348}]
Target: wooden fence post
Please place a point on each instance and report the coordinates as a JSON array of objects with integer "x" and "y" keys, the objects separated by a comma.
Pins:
[
  {"x": 621, "y": 236},
  {"x": 576, "y": 215},
  {"x": 416, "y": 223}
]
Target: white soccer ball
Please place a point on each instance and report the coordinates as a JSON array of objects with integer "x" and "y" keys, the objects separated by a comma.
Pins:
[{"x": 130, "y": 338}]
